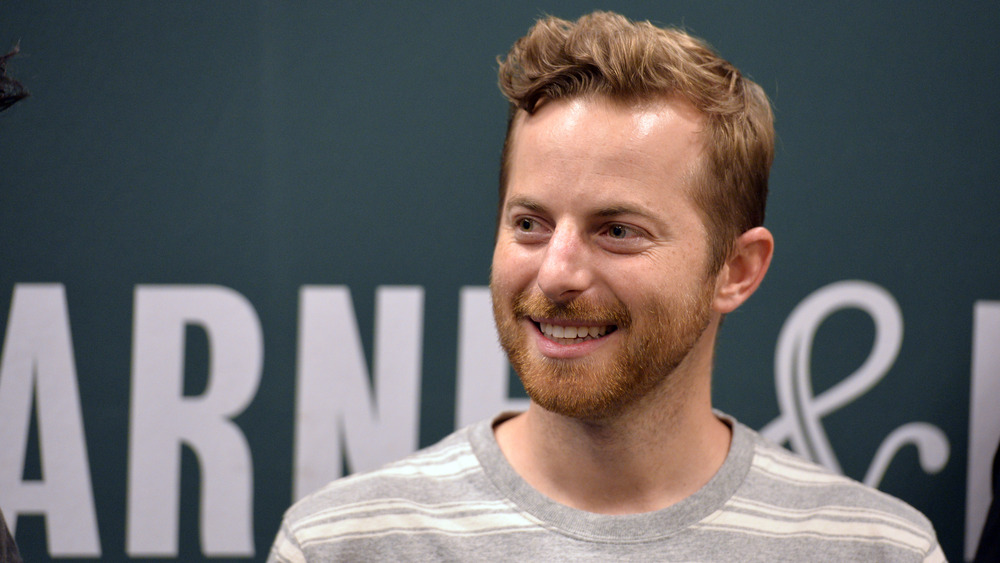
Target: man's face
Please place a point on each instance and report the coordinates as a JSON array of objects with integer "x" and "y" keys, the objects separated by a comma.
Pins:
[{"x": 599, "y": 282}]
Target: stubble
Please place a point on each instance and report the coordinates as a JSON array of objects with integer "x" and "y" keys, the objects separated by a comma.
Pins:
[{"x": 655, "y": 338}]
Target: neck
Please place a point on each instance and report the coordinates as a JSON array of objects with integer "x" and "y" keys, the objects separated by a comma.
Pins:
[{"x": 656, "y": 453}]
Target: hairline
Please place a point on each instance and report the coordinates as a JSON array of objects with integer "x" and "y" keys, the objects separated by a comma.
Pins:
[{"x": 696, "y": 178}]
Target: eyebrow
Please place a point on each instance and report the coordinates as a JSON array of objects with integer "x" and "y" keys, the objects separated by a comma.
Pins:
[
  {"x": 621, "y": 209},
  {"x": 616, "y": 210},
  {"x": 529, "y": 204}
]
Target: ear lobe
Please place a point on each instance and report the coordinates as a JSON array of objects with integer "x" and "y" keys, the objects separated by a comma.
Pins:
[{"x": 742, "y": 273}]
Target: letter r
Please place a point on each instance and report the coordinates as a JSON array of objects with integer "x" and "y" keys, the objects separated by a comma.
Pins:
[{"x": 162, "y": 419}]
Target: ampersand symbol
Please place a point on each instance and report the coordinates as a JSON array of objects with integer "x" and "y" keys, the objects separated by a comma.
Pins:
[{"x": 800, "y": 423}]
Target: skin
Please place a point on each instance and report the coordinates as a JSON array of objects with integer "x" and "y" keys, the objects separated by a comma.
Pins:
[{"x": 598, "y": 216}]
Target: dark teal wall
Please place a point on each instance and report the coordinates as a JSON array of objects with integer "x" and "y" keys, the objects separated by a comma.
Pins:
[{"x": 266, "y": 146}]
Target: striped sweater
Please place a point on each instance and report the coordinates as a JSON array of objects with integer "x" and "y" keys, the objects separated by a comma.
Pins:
[{"x": 460, "y": 500}]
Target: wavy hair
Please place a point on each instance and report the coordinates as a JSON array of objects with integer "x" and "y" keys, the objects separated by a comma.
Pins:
[{"x": 606, "y": 54}]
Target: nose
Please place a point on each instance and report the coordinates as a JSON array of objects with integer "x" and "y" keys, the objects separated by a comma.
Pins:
[{"x": 565, "y": 271}]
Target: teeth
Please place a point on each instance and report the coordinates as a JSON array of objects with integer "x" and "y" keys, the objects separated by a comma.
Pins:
[{"x": 573, "y": 332}]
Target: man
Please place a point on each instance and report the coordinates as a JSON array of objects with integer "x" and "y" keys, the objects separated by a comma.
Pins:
[
  {"x": 632, "y": 192},
  {"x": 11, "y": 91},
  {"x": 8, "y": 549}
]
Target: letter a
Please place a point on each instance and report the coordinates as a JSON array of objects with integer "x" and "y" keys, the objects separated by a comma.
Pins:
[{"x": 38, "y": 359}]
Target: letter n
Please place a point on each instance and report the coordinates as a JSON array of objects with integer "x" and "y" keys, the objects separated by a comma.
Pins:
[
  {"x": 337, "y": 410},
  {"x": 984, "y": 420}
]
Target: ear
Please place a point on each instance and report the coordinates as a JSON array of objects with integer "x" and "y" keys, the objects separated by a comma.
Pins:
[{"x": 744, "y": 270}]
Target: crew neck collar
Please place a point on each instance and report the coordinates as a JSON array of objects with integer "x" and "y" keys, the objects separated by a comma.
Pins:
[{"x": 591, "y": 526}]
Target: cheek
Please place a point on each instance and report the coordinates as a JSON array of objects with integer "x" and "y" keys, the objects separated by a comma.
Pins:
[
  {"x": 511, "y": 268},
  {"x": 667, "y": 277}
]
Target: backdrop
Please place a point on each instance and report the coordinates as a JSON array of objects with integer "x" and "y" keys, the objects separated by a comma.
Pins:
[{"x": 243, "y": 250}]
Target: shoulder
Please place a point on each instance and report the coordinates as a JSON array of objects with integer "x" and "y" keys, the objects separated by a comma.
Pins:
[
  {"x": 801, "y": 498},
  {"x": 436, "y": 488},
  {"x": 420, "y": 477},
  {"x": 782, "y": 474}
]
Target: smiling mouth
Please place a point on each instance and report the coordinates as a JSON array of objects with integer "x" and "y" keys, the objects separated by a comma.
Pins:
[{"x": 574, "y": 334}]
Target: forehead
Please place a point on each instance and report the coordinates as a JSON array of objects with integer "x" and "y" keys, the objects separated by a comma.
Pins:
[{"x": 582, "y": 144}]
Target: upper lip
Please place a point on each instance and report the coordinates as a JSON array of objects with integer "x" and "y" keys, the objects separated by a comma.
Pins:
[{"x": 570, "y": 322}]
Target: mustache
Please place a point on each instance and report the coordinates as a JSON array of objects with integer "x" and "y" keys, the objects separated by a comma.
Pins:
[{"x": 578, "y": 310}]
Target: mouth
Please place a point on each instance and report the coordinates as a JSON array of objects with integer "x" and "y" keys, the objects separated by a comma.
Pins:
[{"x": 573, "y": 334}]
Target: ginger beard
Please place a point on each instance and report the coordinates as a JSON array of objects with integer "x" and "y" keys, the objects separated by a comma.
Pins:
[{"x": 653, "y": 341}]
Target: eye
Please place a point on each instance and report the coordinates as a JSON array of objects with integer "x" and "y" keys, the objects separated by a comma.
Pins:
[
  {"x": 623, "y": 238},
  {"x": 620, "y": 231},
  {"x": 529, "y": 230}
]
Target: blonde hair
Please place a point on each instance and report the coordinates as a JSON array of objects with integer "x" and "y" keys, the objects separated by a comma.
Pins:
[{"x": 606, "y": 54}]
